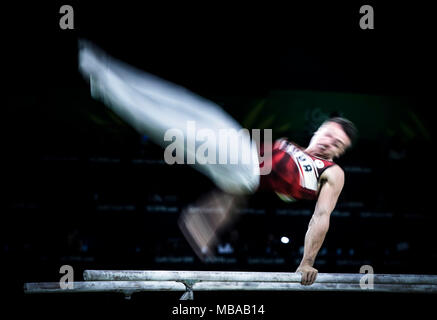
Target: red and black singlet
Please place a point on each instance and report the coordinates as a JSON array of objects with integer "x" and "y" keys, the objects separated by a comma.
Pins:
[{"x": 295, "y": 174}]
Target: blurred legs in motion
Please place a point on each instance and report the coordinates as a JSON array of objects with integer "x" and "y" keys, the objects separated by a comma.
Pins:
[
  {"x": 202, "y": 222},
  {"x": 153, "y": 107}
]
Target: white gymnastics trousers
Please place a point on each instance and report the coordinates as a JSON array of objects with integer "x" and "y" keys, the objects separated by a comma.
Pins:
[{"x": 155, "y": 107}]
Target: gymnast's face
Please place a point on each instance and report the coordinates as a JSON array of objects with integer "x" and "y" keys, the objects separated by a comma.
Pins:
[{"x": 329, "y": 141}]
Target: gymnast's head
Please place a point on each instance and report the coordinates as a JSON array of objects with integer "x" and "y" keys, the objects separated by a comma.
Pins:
[{"x": 332, "y": 138}]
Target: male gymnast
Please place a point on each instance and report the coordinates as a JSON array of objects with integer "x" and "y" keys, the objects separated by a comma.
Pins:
[{"x": 154, "y": 106}]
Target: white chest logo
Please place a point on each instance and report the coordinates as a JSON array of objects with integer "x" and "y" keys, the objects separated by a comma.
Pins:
[{"x": 319, "y": 163}]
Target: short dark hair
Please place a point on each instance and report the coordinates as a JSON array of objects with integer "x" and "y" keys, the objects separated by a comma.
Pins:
[{"x": 348, "y": 127}]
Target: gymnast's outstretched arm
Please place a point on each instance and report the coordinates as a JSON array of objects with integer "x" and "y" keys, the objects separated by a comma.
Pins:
[{"x": 333, "y": 181}]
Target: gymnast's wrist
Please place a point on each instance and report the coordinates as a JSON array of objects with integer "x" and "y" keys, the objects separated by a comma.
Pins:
[{"x": 306, "y": 262}]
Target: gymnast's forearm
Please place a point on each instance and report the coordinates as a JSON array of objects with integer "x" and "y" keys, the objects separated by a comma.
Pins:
[{"x": 315, "y": 235}]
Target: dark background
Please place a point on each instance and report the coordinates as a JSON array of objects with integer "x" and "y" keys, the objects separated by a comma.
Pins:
[{"x": 82, "y": 188}]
